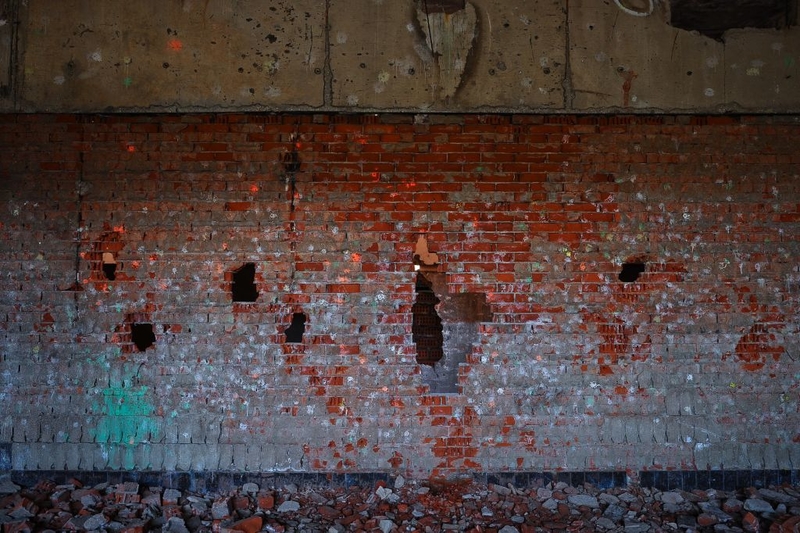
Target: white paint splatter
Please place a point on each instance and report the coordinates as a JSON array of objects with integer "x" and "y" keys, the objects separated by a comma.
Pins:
[
  {"x": 753, "y": 71},
  {"x": 59, "y": 80},
  {"x": 526, "y": 83},
  {"x": 352, "y": 99},
  {"x": 97, "y": 55},
  {"x": 709, "y": 92},
  {"x": 777, "y": 46},
  {"x": 341, "y": 37},
  {"x": 712, "y": 62},
  {"x": 600, "y": 57},
  {"x": 3, "y": 22}
]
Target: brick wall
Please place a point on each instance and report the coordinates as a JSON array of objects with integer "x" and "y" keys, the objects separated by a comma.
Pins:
[{"x": 641, "y": 277}]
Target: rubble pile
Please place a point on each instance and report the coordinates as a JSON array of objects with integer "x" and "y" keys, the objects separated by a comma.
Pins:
[{"x": 394, "y": 507}]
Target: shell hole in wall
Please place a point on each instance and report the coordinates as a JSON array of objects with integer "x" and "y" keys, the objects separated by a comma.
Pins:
[
  {"x": 109, "y": 266},
  {"x": 426, "y": 324},
  {"x": 294, "y": 333},
  {"x": 142, "y": 335},
  {"x": 243, "y": 288},
  {"x": 631, "y": 270}
]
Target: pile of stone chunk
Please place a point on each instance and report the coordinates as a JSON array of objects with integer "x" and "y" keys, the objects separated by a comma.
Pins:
[{"x": 394, "y": 507}]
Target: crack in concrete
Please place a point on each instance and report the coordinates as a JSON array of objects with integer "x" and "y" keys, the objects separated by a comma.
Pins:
[
  {"x": 327, "y": 70},
  {"x": 566, "y": 83}
]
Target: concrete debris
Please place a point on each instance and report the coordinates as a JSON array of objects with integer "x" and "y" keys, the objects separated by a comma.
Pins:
[
  {"x": 289, "y": 506},
  {"x": 411, "y": 506}
]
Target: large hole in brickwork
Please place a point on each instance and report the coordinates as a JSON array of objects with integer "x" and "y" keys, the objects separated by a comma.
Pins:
[
  {"x": 426, "y": 325},
  {"x": 243, "y": 287},
  {"x": 103, "y": 257},
  {"x": 142, "y": 335},
  {"x": 109, "y": 266},
  {"x": 714, "y": 17},
  {"x": 294, "y": 333},
  {"x": 445, "y": 329},
  {"x": 631, "y": 270}
]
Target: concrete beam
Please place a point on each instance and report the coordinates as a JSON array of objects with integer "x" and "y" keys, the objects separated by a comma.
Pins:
[{"x": 537, "y": 56}]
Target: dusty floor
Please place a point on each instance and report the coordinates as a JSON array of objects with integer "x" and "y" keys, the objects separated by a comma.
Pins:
[{"x": 396, "y": 506}]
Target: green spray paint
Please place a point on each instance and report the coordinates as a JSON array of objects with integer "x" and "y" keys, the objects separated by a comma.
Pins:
[{"x": 128, "y": 422}]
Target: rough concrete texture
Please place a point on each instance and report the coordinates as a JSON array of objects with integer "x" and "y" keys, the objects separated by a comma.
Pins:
[
  {"x": 511, "y": 55},
  {"x": 192, "y": 54},
  {"x": 624, "y": 61},
  {"x": 693, "y": 365},
  {"x": 371, "y": 55}
]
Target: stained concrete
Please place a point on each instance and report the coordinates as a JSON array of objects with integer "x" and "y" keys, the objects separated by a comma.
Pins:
[
  {"x": 374, "y": 55},
  {"x": 643, "y": 63},
  {"x": 7, "y": 35},
  {"x": 80, "y": 55}
]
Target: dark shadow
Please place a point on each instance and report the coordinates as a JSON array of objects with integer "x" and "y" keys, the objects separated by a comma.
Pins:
[
  {"x": 142, "y": 335},
  {"x": 294, "y": 333},
  {"x": 109, "y": 271},
  {"x": 426, "y": 324},
  {"x": 243, "y": 288},
  {"x": 631, "y": 271}
]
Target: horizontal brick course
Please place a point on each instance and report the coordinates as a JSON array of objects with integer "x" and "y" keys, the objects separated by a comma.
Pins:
[{"x": 691, "y": 367}]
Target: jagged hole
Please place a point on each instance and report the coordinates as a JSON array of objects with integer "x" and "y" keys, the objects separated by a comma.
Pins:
[
  {"x": 109, "y": 266},
  {"x": 631, "y": 271},
  {"x": 426, "y": 325},
  {"x": 109, "y": 271},
  {"x": 243, "y": 287},
  {"x": 142, "y": 335},
  {"x": 294, "y": 333}
]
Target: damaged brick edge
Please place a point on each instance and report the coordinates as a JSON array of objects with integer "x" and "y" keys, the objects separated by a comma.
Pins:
[{"x": 215, "y": 481}]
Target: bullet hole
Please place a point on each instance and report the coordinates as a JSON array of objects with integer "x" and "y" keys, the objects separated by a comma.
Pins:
[
  {"x": 109, "y": 266},
  {"x": 294, "y": 333},
  {"x": 631, "y": 271},
  {"x": 491, "y": 72},
  {"x": 363, "y": 65},
  {"x": 243, "y": 287},
  {"x": 271, "y": 38},
  {"x": 317, "y": 71},
  {"x": 142, "y": 335},
  {"x": 426, "y": 325},
  {"x": 252, "y": 91},
  {"x": 165, "y": 64},
  {"x": 546, "y": 70},
  {"x": 411, "y": 72},
  {"x": 688, "y": 72},
  {"x": 240, "y": 70}
]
